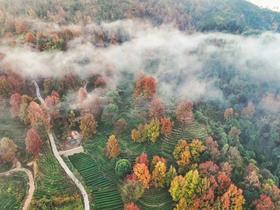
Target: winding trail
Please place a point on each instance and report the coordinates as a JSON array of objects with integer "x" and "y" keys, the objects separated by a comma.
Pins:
[
  {"x": 61, "y": 161},
  {"x": 31, "y": 184}
]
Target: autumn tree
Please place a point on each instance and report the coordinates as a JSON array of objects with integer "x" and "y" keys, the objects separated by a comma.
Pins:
[
  {"x": 112, "y": 148},
  {"x": 185, "y": 153},
  {"x": 37, "y": 115},
  {"x": 252, "y": 175},
  {"x": 33, "y": 142},
  {"x": 184, "y": 112},
  {"x": 8, "y": 149},
  {"x": 187, "y": 187},
  {"x": 212, "y": 148},
  {"x": 170, "y": 175},
  {"x": 120, "y": 125},
  {"x": 166, "y": 126},
  {"x": 234, "y": 157},
  {"x": 123, "y": 167},
  {"x": 51, "y": 104},
  {"x": 156, "y": 109},
  {"x": 23, "y": 109},
  {"x": 224, "y": 181},
  {"x": 15, "y": 101},
  {"x": 158, "y": 171},
  {"x": 273, "y": 191},
  {"x": 29, "y": 38},
  {"x": 131, "y": 191},
  {"x": 228, "y": 113},
  {"x": 264, "y": 203},
  {"x": 182, "y": 204},
  {"x": 232, "y": 199},
  {"x": 234, "y": 132},
  {"x": 145, "y": 87},
  {"x": 153, "y": 130},
  {"x": 135, "y": 135},
  {"x": 148, "y": 132},
  {"x": 143, "y": 158},
  {"x": 208, "y": 168},
  {"x": 130, "y": 206},
  {"x": 182, "y": 153},
  {"x": 142, "y": 174},
  {"x": 196, "y": 149},
  {"x": 87, "y": 125}
]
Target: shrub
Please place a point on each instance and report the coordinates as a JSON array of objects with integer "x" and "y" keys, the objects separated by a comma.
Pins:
[{"x": 123, "y": 167}]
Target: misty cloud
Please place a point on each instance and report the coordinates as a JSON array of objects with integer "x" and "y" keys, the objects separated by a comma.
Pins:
[{"x": 176, "y": 59}]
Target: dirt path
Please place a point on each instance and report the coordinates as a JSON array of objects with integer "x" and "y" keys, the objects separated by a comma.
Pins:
[
  {"x": 31, "y": 184},
  {"x": 61, "y": 161}
]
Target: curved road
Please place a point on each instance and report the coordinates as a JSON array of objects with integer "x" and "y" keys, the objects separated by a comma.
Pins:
[
  {"x": 31, "y": 184},
  {"x": 61, "y": 161}
]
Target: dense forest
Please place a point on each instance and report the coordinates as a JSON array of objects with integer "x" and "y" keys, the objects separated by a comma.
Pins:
[{"x": 139, "y": 104}]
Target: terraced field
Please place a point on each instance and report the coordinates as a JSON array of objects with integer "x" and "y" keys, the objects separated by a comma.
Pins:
[
  {"x": 104, "y": 190},
  {"x": 12, "y": 191},
  {"x": 51, "y": 183},
  {"x": 155, "y": 199},
  {"x": 192, "y": 131}
]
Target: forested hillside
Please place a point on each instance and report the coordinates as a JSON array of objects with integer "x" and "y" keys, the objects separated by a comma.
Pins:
[{"x": 170, "y": 104}]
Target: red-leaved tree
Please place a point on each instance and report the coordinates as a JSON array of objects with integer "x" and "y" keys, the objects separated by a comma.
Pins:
[
  {"x": 33, "y": 142},
  {"x": 146, "y": 87},
  {"x": 264, "y": 203},
  {"x": 184, "y": 112},
  {"x": 156, "y": 109},
  {"x": 37, "y": 115},
  {"x": 15, "y": 101}
]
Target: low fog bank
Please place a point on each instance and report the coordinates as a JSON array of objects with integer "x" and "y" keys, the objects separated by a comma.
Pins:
[{"x": 182, "y": 63}]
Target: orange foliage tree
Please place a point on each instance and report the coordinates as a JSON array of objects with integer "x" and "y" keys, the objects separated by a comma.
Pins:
[
  {"x": 37, "y": 115},
  {"x": 87, "y": 125},
  {"x": 130, "y": 206},
  {"x": 51, "y": 104},
  {"x": 145, "y": 87},
  {"x": 182, "y": 153},
  {"x": 264, "y": 203},
  {"x": 135, "y": 135},
  {"x": 185, "y": 153},
  {"x": 33, "y": 142},
  {"x": 142, "y": 174},
  {"x": 166, "y": 126},
  {"x": 232, "y": 198},
  {"x": 112, "y": 148}
]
